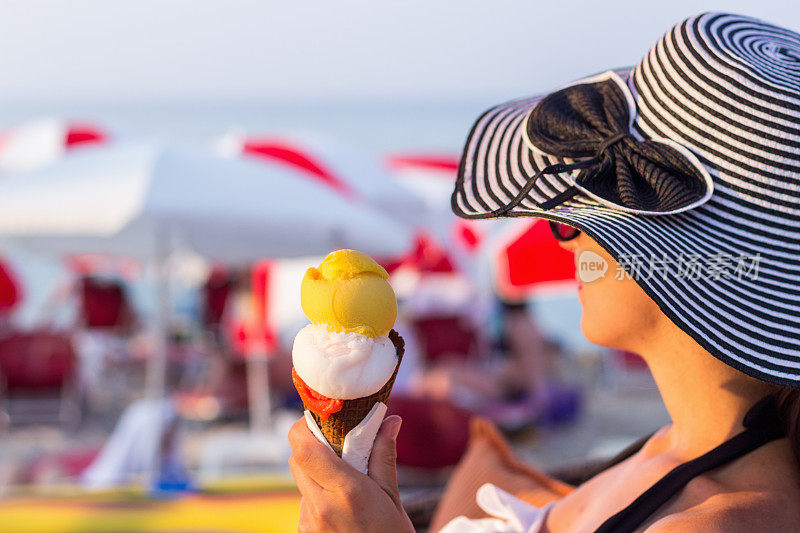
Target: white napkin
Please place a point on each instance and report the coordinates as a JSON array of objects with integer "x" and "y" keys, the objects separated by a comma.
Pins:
[
  {"x": 358, "y": 441},
  {"x": 512, "y": 514}
]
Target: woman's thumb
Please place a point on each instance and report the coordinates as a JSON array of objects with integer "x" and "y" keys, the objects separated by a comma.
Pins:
[{"x": 383, "y": 460}]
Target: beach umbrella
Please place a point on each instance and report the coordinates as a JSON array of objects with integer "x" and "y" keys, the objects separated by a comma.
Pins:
[
  {"x": 137, "y": 199},
  {"x": 432, "y": 178},
  {"x": 10, "y": 289},
  {"x": 526, "y": 258},
  {"x": 447, "y": 246},
  {"x": 147, "y": 200},
  {"x": 346, "y": 170},
  {"x": 426, "y": 257},
  {"x": 38, "y": 143}
]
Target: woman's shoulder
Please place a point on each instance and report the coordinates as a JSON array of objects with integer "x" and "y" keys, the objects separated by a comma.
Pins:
[
  {"x": 745, "y": 512},
  {"x": 759, "y": 492}
]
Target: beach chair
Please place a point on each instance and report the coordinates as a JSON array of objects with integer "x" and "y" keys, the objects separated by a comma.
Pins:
[
  {"x": 105, "y": 305},
  {"x": 445, "y": 336},
  {"x": 37, "y": 378},
  {"x": 489, "y": 458}
]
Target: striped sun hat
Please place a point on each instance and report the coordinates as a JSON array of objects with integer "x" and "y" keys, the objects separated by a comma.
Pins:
[{"x": 686, "y": 169}]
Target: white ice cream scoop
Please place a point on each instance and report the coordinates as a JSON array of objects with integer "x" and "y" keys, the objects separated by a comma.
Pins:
[{"x": 344, "y": 366}]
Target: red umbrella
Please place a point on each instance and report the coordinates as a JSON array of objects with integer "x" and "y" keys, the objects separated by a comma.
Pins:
[
  {"x": 10, "y": 291},
  {"x": 529, "y": 259},
  {"x": 255, "y": 332},
  {"x": 426, "y": 257}
]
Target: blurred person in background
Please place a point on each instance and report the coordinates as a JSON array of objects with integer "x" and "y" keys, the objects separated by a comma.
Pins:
[
  {"x": 512, "y": 384},
  {"x": 532, "y": 358}
]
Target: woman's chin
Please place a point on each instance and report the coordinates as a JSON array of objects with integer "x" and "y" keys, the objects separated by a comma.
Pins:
[{"x": 599, "y": 332}]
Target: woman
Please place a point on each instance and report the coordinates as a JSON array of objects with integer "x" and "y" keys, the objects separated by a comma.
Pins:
[{"x": 677, "y": 186}]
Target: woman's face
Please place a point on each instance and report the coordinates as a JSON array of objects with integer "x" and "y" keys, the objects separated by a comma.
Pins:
[{"x": 616, "y": 311}]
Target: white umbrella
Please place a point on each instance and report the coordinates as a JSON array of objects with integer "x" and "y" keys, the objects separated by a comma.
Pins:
[
  {"x": 147, "y": 200},
  {"x": 133, "y": 199}
]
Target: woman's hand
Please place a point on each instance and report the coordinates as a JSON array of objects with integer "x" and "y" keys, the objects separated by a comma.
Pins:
[{"x": 337, "y": 497}]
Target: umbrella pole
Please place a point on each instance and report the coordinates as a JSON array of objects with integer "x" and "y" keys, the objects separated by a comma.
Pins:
[
  {"x": 155, "y": 383},
  {"x": 258, "y": 391}
]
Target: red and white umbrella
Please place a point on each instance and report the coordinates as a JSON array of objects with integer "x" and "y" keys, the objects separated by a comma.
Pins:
[
  {"x": 147, "y": 200},
  {"x": 36, "y": 144},
  {"x": 427, "y": 257},
  {"x": 348, "y": 171},
  {"x": 274, "y": 307},
  {"x": 432, "y": 177},
  {"x": 441, "y": 274},
  {"x": 525, "y": 257},
  {"x": 528, "y": 259},
  {"x": 352, "y": 174},
  {"x": 10, "y": 289}
]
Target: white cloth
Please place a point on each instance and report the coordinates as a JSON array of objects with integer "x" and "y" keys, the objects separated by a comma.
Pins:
[
  {"x": 358, "y": 441},
  {"x": 512, "y": 515},
  {"x": 134, "y": 448}
]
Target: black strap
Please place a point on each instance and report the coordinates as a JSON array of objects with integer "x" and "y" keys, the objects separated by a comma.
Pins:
[
  {"x": 556, "y": 168},
  {"x": 560, "y": 198},
  {"x": 762, "y": 426}
]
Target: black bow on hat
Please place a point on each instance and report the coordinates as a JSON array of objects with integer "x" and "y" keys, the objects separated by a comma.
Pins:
[{"x": 592, "y": 120}]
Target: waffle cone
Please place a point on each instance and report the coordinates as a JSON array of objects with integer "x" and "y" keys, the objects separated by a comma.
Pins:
[{"x": 354, "y": 411}]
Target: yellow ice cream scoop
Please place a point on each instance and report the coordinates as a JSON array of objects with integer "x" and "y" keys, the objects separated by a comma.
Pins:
[{"x": 349, "y": 293}]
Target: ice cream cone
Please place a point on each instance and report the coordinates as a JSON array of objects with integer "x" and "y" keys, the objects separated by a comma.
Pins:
[{"x": 354, "y": 411}]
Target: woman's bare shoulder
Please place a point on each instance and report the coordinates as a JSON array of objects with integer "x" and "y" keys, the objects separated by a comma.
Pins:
[
  {"x": 759, "y": 492},
  {"x": 745, "y": 512}
]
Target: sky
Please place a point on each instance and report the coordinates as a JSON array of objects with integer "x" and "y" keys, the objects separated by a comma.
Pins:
[{"x": 245, "y": 51}]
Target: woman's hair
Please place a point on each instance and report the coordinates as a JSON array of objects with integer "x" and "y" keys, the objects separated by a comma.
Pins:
[{"x": 789, "y": 409}]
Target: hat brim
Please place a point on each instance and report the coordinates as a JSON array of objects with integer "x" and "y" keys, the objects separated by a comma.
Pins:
[{"x": 726, "y": 316}]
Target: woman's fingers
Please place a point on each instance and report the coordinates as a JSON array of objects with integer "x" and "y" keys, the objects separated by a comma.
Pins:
[
  {"x": 309, "y": 519},
  {"x": 383, "y": 459},
  {"x": 307, "y": 486},
  {"x": 317, "y": 461},
  {"x": 336, "y": 497},
  {"x": 305, "y": 447}
]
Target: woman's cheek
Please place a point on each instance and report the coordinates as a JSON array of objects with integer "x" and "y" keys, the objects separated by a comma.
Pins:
[
  {"x": 598, "y": 318},
  {"x": 617, "y": 313},
  {"x": 609, "y": 311}
]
